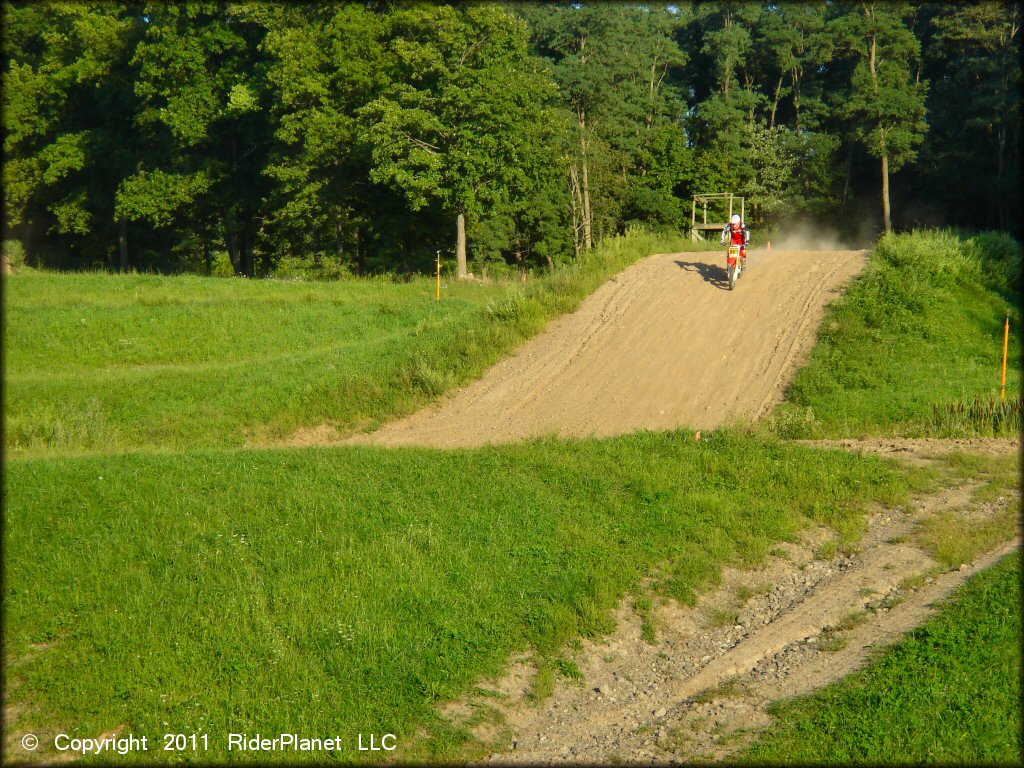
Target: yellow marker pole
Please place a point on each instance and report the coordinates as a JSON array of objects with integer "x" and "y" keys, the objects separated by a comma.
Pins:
[
  {"x": 438, "y": 275},
  {"x": 1006, "y": 346}
]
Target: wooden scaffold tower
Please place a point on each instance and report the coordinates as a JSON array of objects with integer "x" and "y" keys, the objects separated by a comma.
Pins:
[{"x": 718, "y": 201}]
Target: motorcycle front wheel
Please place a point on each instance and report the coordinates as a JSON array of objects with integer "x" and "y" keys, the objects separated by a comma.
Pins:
[{"x": 732, "y": 276}]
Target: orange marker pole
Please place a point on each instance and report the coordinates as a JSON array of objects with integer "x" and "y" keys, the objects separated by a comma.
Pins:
[
  {"x": 438, "y": 275},
  {"x": 1006, "y": 346}
]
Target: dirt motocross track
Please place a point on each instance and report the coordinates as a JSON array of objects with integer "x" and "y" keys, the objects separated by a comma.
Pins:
[{"x": 662, "y": 345}]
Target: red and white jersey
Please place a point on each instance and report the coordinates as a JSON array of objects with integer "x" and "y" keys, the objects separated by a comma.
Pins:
[{"x": 738, "y": 235}]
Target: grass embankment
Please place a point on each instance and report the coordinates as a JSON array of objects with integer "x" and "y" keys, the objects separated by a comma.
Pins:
[
  {"x": 921, "y": 329},
  {"x": 914, "y": 342},
  {"x": 118, "y": 362},
  {"x": 949, "y": 693},
  {"x": 347, "y": 590}
]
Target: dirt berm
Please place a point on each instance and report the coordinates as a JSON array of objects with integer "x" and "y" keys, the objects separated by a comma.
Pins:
[{"x": 664, "y": 344}]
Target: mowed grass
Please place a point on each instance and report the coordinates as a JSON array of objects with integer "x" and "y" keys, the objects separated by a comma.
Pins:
[
  {"x": 349, "y": 590},
  {"x": 922, "y": 326},
  {"x": 103, "y": 362},
  {"x": 108, "y": 362},
  {"x": 949, "y": 693}
]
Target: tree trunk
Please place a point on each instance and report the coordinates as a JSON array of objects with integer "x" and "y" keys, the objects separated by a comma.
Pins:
[
  {"x": 575, "y": 203},
  {"x": 588, "y": 222},
  {"x": 122, "y": 242},
  {"x": 339, "y": 231},
  {"x": 233, "y": 256},
  {"x": 775, "y": 101},
  {"x": 872, "y": 52},
  {"x": 460, "y": 245},
  {"x": 27, "y": 229},
  {"x": 250, "y": 266},
  {"x": 795, "y": 81},
  {"x": 846, "y": 184},
  {"x": 1000, "y": 189},
  {"x": 359, "y": 254},
  {"x": 885, "y": 189}
]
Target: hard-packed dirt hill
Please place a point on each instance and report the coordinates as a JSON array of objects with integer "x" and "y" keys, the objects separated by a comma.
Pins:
[{"x": 664, "y": 344}]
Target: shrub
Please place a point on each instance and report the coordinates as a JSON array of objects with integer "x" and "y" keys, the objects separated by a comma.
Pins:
[
  {"x": 1000, "y": 258},
  {"x": 792, "y": 422},
  {"x": 14, "y": 252},
  {"x": 936, "y": 255}
]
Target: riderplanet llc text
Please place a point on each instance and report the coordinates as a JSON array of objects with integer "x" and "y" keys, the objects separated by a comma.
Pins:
[{"x": 286, "y": 742}]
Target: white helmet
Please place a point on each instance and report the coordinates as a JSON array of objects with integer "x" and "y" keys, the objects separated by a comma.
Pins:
[{"x": 735, "y": 218}]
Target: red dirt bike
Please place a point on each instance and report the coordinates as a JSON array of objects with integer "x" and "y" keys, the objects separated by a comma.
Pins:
[{"x": 735, "y": 265}]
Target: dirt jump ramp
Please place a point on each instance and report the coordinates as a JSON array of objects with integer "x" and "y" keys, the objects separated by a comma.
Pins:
[{"x": 664, "y": 344}]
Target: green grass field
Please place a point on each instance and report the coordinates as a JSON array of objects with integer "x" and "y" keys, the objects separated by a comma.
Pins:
[
  {"x": 949, "y": 693},
  {"x": 101, "y": 362},
  {"x": 922, "y": 326},
  {"x": 347, "y": 590},
  {"x": 162, "y": 573}
]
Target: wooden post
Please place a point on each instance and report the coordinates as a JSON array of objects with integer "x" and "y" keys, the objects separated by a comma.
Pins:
[
  {"x": 1006, "y": 346},
  {"x": 460, "y": 245},
  {"x": 693, "y": 220},
  {"x": 439, "y": 275}
]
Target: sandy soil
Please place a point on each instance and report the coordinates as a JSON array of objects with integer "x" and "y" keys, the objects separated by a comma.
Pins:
[{"x": 663, "y": 345}]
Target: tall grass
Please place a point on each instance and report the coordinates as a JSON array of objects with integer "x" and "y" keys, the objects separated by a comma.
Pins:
[
  {"x": 345, "y": 590},
  {"x": 922, "y": 325},
  {"x": 117, "y": 362},
  {"x": 990, "y": 418}
]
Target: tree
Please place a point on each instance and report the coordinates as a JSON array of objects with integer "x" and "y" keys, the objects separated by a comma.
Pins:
[
  {"x": 887, "y": 99},
  {"x": 326, "y": 62},
  {"x": 457, "y": 124},
  {"x": 352, "y": 137},
  {"x": 616, "y": 67},
  {"x": 974, "y": 57},
  {"x": 796, "y": 41},
  {"x": 66, "y": 77},
  {"x": 202, "y": 88}
]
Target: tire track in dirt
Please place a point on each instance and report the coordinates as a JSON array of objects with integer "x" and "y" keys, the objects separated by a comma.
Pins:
[
  {"x": 798, "y": 344},
  {"x": 662, "y": 345},
  {"x": 703, "y": 689}
]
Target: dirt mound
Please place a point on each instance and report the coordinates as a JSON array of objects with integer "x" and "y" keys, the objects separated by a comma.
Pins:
[{"x": 663, "y": 345}]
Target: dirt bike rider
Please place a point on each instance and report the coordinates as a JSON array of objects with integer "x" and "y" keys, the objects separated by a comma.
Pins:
[{"x": 734, "y": 233}]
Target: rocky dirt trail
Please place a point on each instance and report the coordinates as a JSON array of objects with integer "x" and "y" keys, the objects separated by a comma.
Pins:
[
  {"x": 662, "y": 345},
  {"x": 701, "y": 691}
]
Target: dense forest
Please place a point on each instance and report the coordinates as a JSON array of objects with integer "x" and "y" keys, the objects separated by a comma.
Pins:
[{"x": 328, "y": 139}]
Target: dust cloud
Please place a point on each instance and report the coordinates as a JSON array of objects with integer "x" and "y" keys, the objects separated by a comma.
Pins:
[{"x": 816, "y": 237}]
